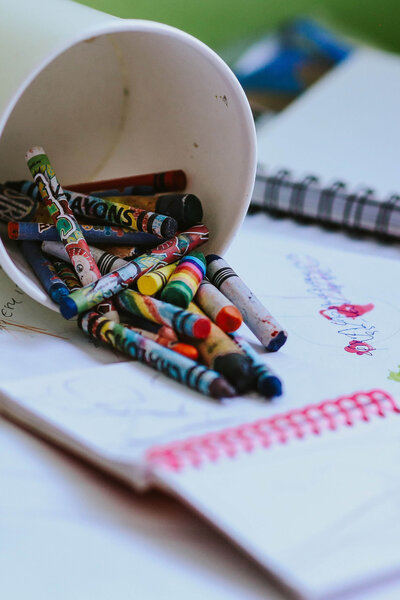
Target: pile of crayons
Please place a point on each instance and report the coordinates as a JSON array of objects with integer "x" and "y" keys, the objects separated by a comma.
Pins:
[{"x": 122, "y": 256}]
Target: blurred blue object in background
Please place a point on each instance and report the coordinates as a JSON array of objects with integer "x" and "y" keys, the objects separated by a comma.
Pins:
[{"x": 286, "y": 62}]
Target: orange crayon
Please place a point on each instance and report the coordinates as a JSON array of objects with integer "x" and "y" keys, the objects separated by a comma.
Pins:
[
  {"x": 163, "y": 338},
  {"x": 218, "y": 307}
]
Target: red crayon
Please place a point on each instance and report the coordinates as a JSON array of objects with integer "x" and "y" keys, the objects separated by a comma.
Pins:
[{"x": 167, "y": 181}]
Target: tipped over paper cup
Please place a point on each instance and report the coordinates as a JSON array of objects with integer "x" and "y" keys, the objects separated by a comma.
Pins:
[{"x": 108, "y": 97}]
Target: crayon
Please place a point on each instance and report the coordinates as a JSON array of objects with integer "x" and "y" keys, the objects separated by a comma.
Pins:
[
  {"x": 186, "y": 209},
  {"x": 138, "y": 322},
  {"x": 182, "y": 321},
  {"x": 137, "y": 217},
  {"x": 268, "y": 384},
  {"x": 67, "y": 274},
  {"x": 151, "y": 283},
  {"x": 112, "y": 210},
  {"x": 185, "y": 280},
  {"x": 181, "y": 348},
  {"x": 105, "y": 261},
  {"x": 217, "y": 307},
  {"x": 93, "y": 234},
  {"x": 176, "y": 346},
  {"x": 67, "y": 227},
  {"x": 29, "y": 188},
  {"x": 16, "y": 206},
  {"x": 126, "y": 252},
  {"x": 174, "y": 365},
  {"x": 219, "y": 352},
  {"x": 255, "y": 315},
  {"x": 120, "y": 279},
  {"x": 168, "y": 181},
  {"x": 130, "y": 190},
  {"x": 45, "y": 271}
]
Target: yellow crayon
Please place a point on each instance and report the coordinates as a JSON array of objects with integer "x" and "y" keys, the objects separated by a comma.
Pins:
[{"x": 150, "y": 283}]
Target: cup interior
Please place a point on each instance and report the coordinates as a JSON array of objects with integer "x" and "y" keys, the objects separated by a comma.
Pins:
[{"x": 135, "y": 101}]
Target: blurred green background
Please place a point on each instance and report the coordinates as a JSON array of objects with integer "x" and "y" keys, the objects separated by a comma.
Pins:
[{"x": 220, "y": 23}]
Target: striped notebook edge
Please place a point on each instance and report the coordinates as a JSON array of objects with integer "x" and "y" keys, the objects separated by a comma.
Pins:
[{"x": 360, "y": 209}]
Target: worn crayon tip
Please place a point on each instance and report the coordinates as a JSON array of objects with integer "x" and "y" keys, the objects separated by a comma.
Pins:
[
  {"x": 277, "y": 342},
  {"x": 169, "y": 227},
  {"x": 220, "y": 388},
  {"x": 186, "y": 350},
  {"x": 269, "y": 387},
  {"x": 13, "y": 230},
  {"x": 202, "y": 328},
  {"x": 178, "y": 296},
  {"x": 34, "y": 151},
  {"x": 238, "y": 370},
  {"x": 192, "y": 210},
  {"x": 229, "y": 319},
  {"x": 211, "y": 257},
  {"x": 185, "y": 208},
  {"x": 68, "y": 308}
]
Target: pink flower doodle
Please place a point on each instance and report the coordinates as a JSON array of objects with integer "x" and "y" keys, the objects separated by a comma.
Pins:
[
  {"x": 352, "y": 311},
  {"x": 359, "y": 348}
]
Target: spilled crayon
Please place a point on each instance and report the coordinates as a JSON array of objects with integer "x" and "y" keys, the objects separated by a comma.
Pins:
[
  {"x": 184, "y": 322},
  {"x": 174, "y": 365},
  {"x": 254, "y": 313},
  {"x": 217, "y": 307},
  {"x": 185, "y": 280},
  {"x": 67, "y": 226},
  {"x": 120, "y": 279}
]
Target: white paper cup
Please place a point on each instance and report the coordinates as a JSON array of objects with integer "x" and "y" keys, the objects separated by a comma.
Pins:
[{"x": 108, "y": 97}]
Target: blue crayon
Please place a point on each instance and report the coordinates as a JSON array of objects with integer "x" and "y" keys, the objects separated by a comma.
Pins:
[
  {"x": 268, "y": 384},
  {"x": 45, "y": 271},
  {"x": 94, "y": 234}
]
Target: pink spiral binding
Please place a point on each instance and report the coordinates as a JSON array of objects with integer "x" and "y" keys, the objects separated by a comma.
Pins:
[{"x": 279, "y": 429}]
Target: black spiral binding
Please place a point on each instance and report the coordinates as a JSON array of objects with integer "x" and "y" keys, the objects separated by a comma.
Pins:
[{"x": 360, "y": 210}]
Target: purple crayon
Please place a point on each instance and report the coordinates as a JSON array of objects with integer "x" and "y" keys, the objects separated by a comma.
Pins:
[
  {"x": 45, "y": 271},
  {"x": 174, "y": 365},
  {"x": 255, "y": 315},
  {"x": 94, "y": 234}
]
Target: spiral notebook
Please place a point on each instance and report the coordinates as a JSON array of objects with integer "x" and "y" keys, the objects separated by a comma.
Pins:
[
  {"x": 332, "y": 156},
  {"x": 307, "y": 485}
]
